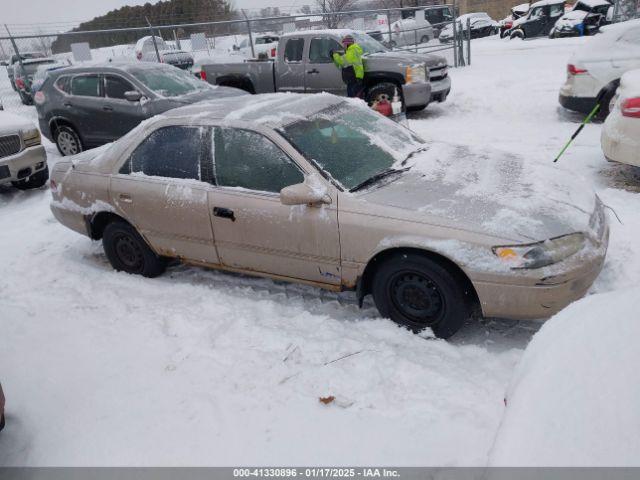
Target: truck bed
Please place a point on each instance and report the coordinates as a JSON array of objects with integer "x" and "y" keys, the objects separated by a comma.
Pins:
[{"x": 259, "y": 76}]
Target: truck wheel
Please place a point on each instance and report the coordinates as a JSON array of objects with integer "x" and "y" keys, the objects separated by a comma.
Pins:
[
  {"x": 128, "y": 252},
  {"x": 606, "y": 102},
  {"x": 36, "y": 180},
  {"x": 378, "y": 91},
  {"x": 424, "y": 39},
  {"x": 418, "y": 293},
  {"x": 517, "y": 34}
]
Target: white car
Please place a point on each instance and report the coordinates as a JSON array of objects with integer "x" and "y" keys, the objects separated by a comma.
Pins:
[
  {"x": 411, "y": 31},
  {"x": 482, "y": 25},
  {"x": 23, "y": 161},
  {"x": 145, "y": 51},
  {"x": 620, "y": 136},
  {"x": 262, "y": 45},
  {"x": 599, "y": 63}
]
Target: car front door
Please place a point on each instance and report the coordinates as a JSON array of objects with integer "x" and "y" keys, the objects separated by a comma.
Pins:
[
  {"x": 254, "y": 231},
  {"x": 555, "y": 12},
  {"x": 322, "y": 75},
  {"x": 85, "y": 107},
  {"x": 121, "y": 114},
  {"x": 535, "y": 22},
  {"x": 290, "y": 73},
  {"x": 162, "y": 189}
]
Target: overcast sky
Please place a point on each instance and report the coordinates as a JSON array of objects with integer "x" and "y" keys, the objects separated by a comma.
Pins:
[{"x": 54, "y": 11}]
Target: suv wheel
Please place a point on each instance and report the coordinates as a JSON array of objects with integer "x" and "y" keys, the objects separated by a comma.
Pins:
[
  {"x": 36, "y": 180},
  {"x": 67, "y": 140},
  {"x": 128, "y": 252},
  {"x": 417, "y": 292}
]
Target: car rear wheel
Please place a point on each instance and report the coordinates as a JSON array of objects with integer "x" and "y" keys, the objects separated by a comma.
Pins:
[
  {"x": 36, "y": 180},
  {"x": 418, "y": 293},
  {"x": 68, "y": 141},
  {"x": 128, "y": 252},
  {"x": 424, "y": 39}
]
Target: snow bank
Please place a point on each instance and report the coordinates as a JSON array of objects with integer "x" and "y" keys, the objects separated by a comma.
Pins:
[{"x": 574, "y": 398}]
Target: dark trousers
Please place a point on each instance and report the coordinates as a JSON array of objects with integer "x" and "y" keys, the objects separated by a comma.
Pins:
[{"x": 354, "y": 89}]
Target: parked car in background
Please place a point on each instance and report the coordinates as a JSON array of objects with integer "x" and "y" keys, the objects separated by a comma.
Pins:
[
  {"x": 23, "y": 76},
  {"x": 437, "y": 16},
  {"x": 481, "y": 25},
  {"x": 293, "y": 187},
  {"x": 507, "y": 22},
  {"x": 599, "y": 64},
  {"x": 304, "y": 64},
  {"x": 145, "y": 51},
  {"x": 539, "y": 20},
  {"x": 263, "y": 46},
  {"x": 411, "y": 30},
  {"x": 85, "y": 106},
  {"x": 2, "y": 403},
  {"x": 620, "y": 136},
  {"x": 23, "y": 161},
  {"x": 585, "y": 18},
  {"x": 41, "y": 74},
  {"x": 14, "y": 60},
  {"x": 196, "y": 70}
]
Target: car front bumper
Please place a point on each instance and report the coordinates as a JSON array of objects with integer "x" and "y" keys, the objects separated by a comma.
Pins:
[
  {"x": 416, "y": 94},
  {"x": 440, "y": 89},
  {"x": 540, "y": 297},
  {"x": 23, "y": 164}
]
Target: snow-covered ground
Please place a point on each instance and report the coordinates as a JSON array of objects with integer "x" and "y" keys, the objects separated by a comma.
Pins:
[{"x": 207, "y": 368}]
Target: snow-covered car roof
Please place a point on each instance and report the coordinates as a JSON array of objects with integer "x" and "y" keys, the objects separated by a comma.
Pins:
[
  {"x": 542, "y": 3},
  {"x": 259, "y": 109},
  {"x": 593, "y": 3},
  {"x": 575, "y": 15},
  {"x": 340, "y": 32},
  {"x": 522, "y": 8}
]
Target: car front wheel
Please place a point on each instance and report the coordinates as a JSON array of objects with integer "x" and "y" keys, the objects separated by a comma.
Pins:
[
  {"x": 68, "y": 141},
  {"x": 128, "y": 252},
  {"x": 418, "y": 293}
]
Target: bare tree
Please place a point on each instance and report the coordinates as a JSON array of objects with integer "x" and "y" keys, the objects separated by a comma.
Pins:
[{"x": 330, "y": 10}]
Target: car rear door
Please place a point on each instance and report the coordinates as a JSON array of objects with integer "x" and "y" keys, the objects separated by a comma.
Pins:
[
  {"x": 162, "y": 189},
  {"x": 84, "y": 106},
  {"x": 321, "y": 74},
  {"x": 290, "y": 69},
  {"x": 253, "y": 230},
  {"x": 120, "y": 114}
]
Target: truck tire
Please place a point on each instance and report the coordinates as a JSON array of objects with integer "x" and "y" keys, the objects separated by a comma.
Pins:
[{"x": 384, "y": 88}]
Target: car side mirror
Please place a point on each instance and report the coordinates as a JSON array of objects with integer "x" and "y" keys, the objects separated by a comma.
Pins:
[
  {"x": 133, "y": 96},
  {"x": 302, "y": 194}
]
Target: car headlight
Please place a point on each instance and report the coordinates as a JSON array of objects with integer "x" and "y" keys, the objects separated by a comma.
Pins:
[
  {"x": 541, "y": 254},
  {"x": 416, "y": 73},
  {"x": 31, "y": 137}
]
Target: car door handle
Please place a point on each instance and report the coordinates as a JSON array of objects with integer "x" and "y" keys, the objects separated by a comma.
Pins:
[
  {"x": 107, "y": 108},
  {"x": 224, "y": 213},
  {"x": 312, "y": 71},
  {"x": 125, "y": 197},
  {"x": 68, "y": 104}
]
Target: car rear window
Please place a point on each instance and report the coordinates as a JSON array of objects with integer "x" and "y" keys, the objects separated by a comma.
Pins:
[
  {"x": 293, "y": 50},
  {"x": 86, "y": 86}
]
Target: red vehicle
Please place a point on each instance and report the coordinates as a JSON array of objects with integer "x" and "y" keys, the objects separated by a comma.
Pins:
[{"x": 1, "y": 408}]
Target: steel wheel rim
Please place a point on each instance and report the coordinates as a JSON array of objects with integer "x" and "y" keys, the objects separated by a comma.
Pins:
[
  {"x": 417, "y": 297},
  {"x": 128, "y": 252},
  {"x": 68, "y": 143}
]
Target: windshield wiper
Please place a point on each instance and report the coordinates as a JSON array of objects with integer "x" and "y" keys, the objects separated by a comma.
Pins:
[
  {"x": 421, "y": 149},
  {"x": 377, "y": 177}
]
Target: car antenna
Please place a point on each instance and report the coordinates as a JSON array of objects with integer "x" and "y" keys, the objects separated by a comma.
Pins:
[{"x": 601, "y": 96}]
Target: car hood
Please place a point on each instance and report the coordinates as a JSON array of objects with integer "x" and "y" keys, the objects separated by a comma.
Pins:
[
  {"x": 490, "y": 192},
  {"x": 572, "y": 18},
  {"x": 429, "y": 59},
  {"x": 11, "y": 124},
  {"x": 213, "y": 93}
]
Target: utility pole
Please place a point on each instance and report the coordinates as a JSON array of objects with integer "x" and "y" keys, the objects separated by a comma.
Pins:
[{"x": 153, "y": 37}]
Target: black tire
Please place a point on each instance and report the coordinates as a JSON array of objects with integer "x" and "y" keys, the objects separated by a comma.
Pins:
[
  {"x": 13, "y": 85},
  {"x": 425, "y": 39},
  {"x": 392, "y": 44},
  {"x": 67, "y": 140},
  {"x": 36, "y": 180},
  {"x": 385, "y": 88},
  {"x": 516, "y": 34},
  {"x": 605, "y": 109},
  {"x": 128, "y": 252},
  {"x": 417, "y": 108},
  {"x": 417, "y": 292},
  {"x": 25, "y": 98}
]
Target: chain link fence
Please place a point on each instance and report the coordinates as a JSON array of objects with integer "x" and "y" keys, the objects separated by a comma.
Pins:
[{"x": 412, "y": 29}]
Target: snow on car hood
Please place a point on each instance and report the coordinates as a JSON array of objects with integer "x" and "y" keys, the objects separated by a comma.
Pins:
[
  {"x": 572, "y": 18},
  {"x": 409, "y": 58},
  {"x": 491, "y": 192},
  {"x": 11, "y": 124}
]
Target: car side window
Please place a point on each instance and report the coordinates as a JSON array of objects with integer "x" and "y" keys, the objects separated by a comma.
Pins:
[
  {"x": 115, "y": 87},
  {"x": 247, "y": 159},
  {"x": 63, "y": 84},
  {"x": 556, "y": 10},
  {"x": 320, "y": 50},
  {"x": 293, "y": 50},
  {"x": 86, "y": 86},
  {"x": 171, "y": 152}
]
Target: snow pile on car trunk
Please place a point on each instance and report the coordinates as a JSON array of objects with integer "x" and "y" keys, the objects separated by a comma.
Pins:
[{"x": 574, "y": 398}]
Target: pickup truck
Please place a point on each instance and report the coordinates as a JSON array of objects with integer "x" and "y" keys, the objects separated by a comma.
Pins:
[{"x": 303, "y": 64}]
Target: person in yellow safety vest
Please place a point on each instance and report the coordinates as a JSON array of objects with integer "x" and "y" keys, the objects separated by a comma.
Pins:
[{"x": 351, "y": 64}]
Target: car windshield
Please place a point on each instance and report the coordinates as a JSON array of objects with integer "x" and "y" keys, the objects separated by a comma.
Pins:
[
  {"x": 368, "y": 43},
  {"x": 351, "y": 144},
  {"x": 169, "y": 82}
]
